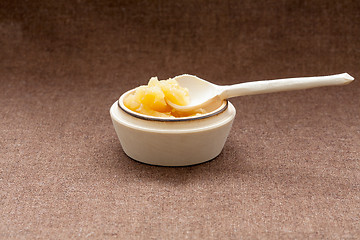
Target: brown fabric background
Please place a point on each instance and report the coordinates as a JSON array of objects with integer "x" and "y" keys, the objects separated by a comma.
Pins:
[{"x": 289, "y": 170}]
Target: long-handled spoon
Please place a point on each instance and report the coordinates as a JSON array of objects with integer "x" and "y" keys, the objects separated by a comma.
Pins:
[{"x": 203, "y": 93}]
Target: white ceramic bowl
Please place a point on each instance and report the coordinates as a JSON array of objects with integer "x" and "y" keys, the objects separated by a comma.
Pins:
[{"x": 180, "y": 142}]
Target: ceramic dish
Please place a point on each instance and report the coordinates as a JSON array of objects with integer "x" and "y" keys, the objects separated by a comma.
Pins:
[{"x": 177, "y": 142}]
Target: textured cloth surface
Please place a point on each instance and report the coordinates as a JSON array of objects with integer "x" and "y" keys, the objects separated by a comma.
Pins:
[{"x": 289, "y": 169}]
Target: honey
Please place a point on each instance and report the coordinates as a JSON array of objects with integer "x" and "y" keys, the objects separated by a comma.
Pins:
[{"x": 151, "y": 99}]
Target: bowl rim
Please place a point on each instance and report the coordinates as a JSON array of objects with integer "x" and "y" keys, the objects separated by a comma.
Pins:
[
  {"x": 121, "y": 105},
  {"x": 181, "y": 127}
]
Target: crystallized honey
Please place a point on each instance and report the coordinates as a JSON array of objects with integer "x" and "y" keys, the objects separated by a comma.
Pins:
[{"x": 151, "y": 99}]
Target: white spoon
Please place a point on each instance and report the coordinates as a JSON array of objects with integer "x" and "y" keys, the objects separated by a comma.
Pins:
[{"x": 203, "y": 93}]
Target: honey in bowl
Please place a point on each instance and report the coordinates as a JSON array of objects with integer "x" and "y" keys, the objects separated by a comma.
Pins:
[{"x": 152, "y": 99}]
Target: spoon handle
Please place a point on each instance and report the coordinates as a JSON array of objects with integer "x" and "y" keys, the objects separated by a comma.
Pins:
[{"x": 287, "y": 84}]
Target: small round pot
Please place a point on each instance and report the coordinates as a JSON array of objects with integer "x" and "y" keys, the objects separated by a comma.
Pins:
[{"x": 180, "y": 142}]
